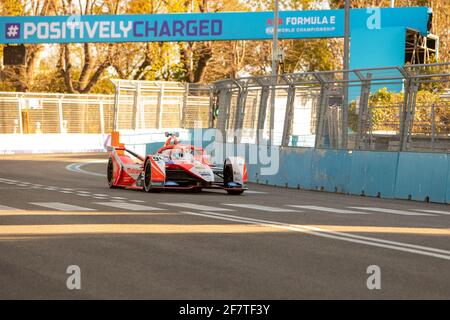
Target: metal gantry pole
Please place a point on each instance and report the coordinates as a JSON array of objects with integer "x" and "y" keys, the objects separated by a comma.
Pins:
[
  {"x": 115, "y": 124},
  {"x": 274, "y": 71},
  {"x": 346, "y": 66}
]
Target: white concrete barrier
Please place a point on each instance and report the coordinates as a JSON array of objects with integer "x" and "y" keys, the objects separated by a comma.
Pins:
[
  {"x": 61, "y": 143},
  {"x": 52, "y": 143}
]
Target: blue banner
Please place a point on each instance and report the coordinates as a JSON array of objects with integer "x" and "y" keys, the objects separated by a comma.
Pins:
[{"x": 200, "y": 26}]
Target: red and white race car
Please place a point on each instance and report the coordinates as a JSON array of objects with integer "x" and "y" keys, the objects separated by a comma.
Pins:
[{"x": 175, "y": 166}]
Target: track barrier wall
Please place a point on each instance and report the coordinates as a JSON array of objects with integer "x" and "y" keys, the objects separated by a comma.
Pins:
[
  {"x": 53, "y": 143},
  {"x": 396, "y": 175},
  {"x": 401, "y": 175}
]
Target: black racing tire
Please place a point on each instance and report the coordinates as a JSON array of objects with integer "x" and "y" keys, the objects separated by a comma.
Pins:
[
  {"x": 228, "y": 177},
  {"x": 235, "y": 192},
  {"x": 110, "y": 174},
  {"x": 227, "y": 174},
  {"x": 196, "y": 190},
  {"x": 148, "y": 178}
]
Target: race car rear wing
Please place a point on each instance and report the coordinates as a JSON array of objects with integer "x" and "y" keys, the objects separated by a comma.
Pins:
[{"x": 115, "y": 149}]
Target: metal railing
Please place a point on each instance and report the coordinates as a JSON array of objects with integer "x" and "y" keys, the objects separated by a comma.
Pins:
[
  {"x": 160, "y": 104},
  {"x": 391, "y": 108},
  {"x": 28, "y": 113},
  {"x": 135, "y": 105}
]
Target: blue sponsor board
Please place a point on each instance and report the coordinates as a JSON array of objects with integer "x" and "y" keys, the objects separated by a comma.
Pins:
[
  {"x": 169, "y": 27},
  {"x": 203, "y": 26}
]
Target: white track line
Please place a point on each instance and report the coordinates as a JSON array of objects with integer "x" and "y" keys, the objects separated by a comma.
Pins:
[
  {"x": 61, "y": 206},
  {"x": 433, "y": 211},
  {"x": 128, "y": 206},
  {"x": 254, "y": 192},
  {"x": 258, "y": 207},
  {"x": 76, "y": 167},
  {"x": 194, "y": 206},
  {"x": 327, "y": 209},
  {"x": 394, "y": 245},
  {"x": 6, "y": 208},
  {"x": 393, "y": 211}
]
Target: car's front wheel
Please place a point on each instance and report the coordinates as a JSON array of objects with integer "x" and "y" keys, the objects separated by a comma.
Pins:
[
  {"x": 235, "y": 192},
  {"x": 110, "y": 174},
  {"x": 148, "y": 178}
]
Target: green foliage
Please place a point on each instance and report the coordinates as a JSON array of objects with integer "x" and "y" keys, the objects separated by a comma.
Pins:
[
  {"x": 385, "y": 107},
  {"x": 11, "y": 8},
  {"x": 200, "y": 61},
  {"x": 103, "y": 86}
]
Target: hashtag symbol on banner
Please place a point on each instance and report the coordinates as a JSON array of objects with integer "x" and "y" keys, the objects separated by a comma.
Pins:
[{"x": 12, "y": 30}]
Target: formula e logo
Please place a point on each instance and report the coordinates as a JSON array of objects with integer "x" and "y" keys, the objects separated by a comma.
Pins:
[
  {"x": 270, "y": 22},
  {"x": 12, "y": 30}
]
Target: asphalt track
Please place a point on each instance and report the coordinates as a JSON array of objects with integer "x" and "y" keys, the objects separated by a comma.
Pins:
[{"x": 270, "y": 243}]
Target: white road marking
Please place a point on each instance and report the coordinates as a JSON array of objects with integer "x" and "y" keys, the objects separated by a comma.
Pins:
[
  {"x": 433, "y": 211},
  {"x": 327, "y": 209},
  {"x": 76, "y": 167},
  {"x": 128, "y": 206},
  {"x": 83, "y": 195},
  {"x": 393, "y": 211},
  {"x": 118, "y": 198},
  {"x": 194, "y": 206},
  {"x": 259, "y": 207},
  {"x": 255, "y": 192},
  {"x": 64, "y": 191},
  {"x": 100, "y": 195},
  {"x": 394, "y": 245},
  {"x": 6, "y": 208},
  {"x": 138, "y": 201},
  {"x": 81, "y": 191},
  {"x": 61, "y": 206}
]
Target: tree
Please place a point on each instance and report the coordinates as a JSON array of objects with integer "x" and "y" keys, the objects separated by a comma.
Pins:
[
  {"x": 92, "y": 66},
  {"x": 21, "y": 77}
]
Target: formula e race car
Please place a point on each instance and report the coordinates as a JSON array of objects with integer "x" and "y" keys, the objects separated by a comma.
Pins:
[{"x": 175, "y": 166}]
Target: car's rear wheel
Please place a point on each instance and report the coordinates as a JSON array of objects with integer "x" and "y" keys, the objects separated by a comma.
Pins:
[{"x": 110, "y": 174}]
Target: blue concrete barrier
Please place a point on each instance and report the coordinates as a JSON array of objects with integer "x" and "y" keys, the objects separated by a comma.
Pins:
[
  {"x": 402, "y": 175},
  {"x": 422, "y": 176},
  {"x": 373, "y": 173},
  {"x": 330, "y": 170},
  {"x": 447, "y": 197}
]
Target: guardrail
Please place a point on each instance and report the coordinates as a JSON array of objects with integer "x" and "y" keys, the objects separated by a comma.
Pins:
[
  {"x": 29, "y": 113},
  {"x": 324, "y": 110},
  {"x": 161, "y": 104},
  {"x": 136, "y": 105}
]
